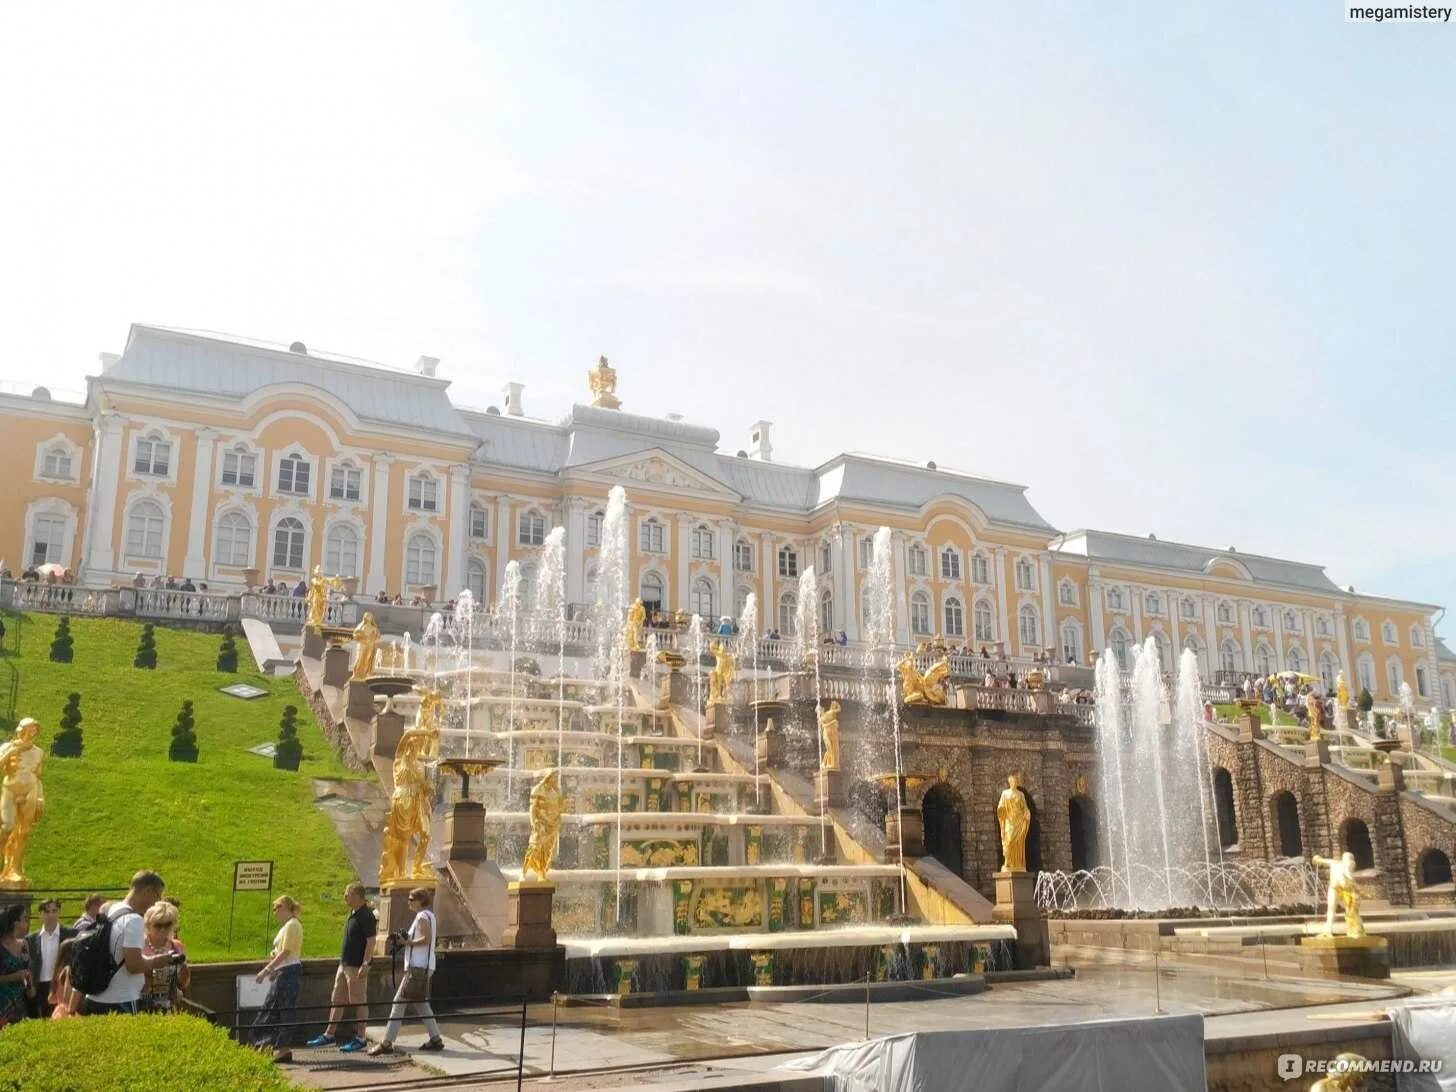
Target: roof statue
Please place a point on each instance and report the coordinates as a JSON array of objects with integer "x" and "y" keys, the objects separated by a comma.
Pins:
[{"x": 603, "y": 380}]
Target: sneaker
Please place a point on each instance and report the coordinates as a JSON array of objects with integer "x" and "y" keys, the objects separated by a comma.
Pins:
[
  {"x": 433, "y": 1044},
  {"x": 380, "y": 1048},
  {"x": 354, "y": 1045},
  {"x": 321, "y": 1041}
]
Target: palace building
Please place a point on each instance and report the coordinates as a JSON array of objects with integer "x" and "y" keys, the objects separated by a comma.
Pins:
[{"x": 234, "y": 462}]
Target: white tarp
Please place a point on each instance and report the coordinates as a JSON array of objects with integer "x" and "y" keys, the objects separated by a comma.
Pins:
[
  {"x": 1424, "y": 1032},
  {"x": 1161, "y": 1054}
]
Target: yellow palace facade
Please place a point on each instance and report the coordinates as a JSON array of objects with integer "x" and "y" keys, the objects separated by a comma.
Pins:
[{"x": 231, "y": 463}]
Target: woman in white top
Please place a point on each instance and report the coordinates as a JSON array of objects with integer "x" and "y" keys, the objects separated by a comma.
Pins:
[
  {"x": 413, "y": 996},
  {"x": 273, "y": 1027}
]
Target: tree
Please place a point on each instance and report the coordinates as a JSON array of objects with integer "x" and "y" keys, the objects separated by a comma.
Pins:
[
  {"x": 67, "y": 743},
  {"x": 1365, "y": 701},
  {"x": 61, "y": 645},
  {"x": 289, "y": 751},
  {"x": 184, "y": 739},
  {"x": 146, "y": 653},
  {"x": 227, "y": 654}
]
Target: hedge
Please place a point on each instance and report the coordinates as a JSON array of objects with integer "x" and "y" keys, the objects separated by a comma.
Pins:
[{"x": 130, "y": 1052}]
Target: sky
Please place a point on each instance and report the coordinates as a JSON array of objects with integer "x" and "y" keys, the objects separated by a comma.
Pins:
[{"x": 1181, "y": 269}]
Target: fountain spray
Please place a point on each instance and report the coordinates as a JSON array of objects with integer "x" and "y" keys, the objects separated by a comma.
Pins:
[
  {"x": 881, "y": 625},
  {"x": 551, "y": 605},
  {"x": 748, "y": 631},
  {"x": 806, "y": 625},
  {"x": 510, "y": 606}
]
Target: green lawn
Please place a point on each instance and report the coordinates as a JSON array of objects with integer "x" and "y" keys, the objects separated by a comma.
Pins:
[
  {"x": 1232, "y": 710},
  {"x": 124, "y": 805}
]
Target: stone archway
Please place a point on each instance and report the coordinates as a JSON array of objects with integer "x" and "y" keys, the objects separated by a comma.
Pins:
[
  {"x": 941, "y": 813},
  {"x": 1223, "y": 806},
  {"x": 1082, "y": 828},
  {"x": 1433, "y": 867},
  {"x": 1355, "y": 839},
  {"x": 1033, "y": 837},
  {"x": 1285, "y": 811}
]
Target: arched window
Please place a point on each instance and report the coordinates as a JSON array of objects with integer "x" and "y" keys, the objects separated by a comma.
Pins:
[
  {"x": 704, "y": 600},
  {"x": 1286, "y": 822},
  {"x": 530, "y": 529},
  {"x": 1362, "y": 629},
  {"x": 955, "y": 618},
  {"x": 1387, "y": 633},
  {"x": 950, "y": 563},
  {"x": 1295, "y": 658},
  {"x": 1195, "y": 646},
  {"x": 826, "y": 611},
  {"x": 980, "y": 569},
  {"x": 424, "y": 492},
  {"x": 1165, "y": 651},
  {"x": 475, "y": 580},
  {"x": 1025, "y": 574},
  {"x": 293, "y": 474},
  {"x": 1355, "y": 840},
  {"x": 288, "y": 543},
  {"x": 788, "y": 562},
  {"x": 917, "y": 560},
  {"x": 1328, "y": 669},
  {"x": 788, "y": 603},
  {"x": 743, "y": 556},
  {"x": 1030, "y": 626},
  {"x": 984, "y": 620},
  {"x": 57, "y": 463},
  {"x": 1223, "y": 806},
  {"x": 234, "y": 545},
  {"x": 1115, "y": 599},
  {"x": 1067, "y": 593},
  {"x": 1433, "y": 867},
  {"x": 144, "y": 526},
  {"x": 1264, "y": 661},
  {"x": 703, "y": 544},
  {"x": 594, "y": 528},
  {"x": 920, "y": 614},
  {"x": 1417, "y": 638},
  {"x": 867, "y": 552},
  {"x": 419, "y": 561},
  {"x": 1153, "y": 603},
  {"x": 1421, "y": 682},
  {"x": 652, "y": 591},
  {"x": 1291, "y": 622},
  {"x": 346, "y": 481},
  {"x": 1071, "y": 642},
  {"x": 1365, "y": 672},
  {"x": 153, "y": 455},
  {"x": 652, "y": 536},
  {"x": 826, "y": 558},
  {"x": 48, "y": 539},
  {"x": 740, "y": 601},
  {"x": 1120, "y": 644},
  {"x": 341, "y": 550},
  {"x": 1225, "y": 613},
  {"x": 530, "y": 592},
  {"x": 1393, "y": 676},
  {"x": 1258, "y": 616},
  {"x": 1230, "y": 657}
]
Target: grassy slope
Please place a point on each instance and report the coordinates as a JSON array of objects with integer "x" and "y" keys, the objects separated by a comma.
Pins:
[{"x": 124, "y": 805}]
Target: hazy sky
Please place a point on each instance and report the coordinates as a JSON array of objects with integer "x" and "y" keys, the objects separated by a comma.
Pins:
[{"x": 1178, "y": 268}]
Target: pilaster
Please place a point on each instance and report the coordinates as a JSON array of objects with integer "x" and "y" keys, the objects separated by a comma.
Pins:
[
  {"x": 727, "y": 588},
  {"x": 106, "y": 471},
  {"x": 900, "y": 578},
  {"x": 1097, "y": 639},
  {"x": 505, "y": 535},
  {"x": 1003, "y": 623},
  {"x": 379, "y": 522},
  {"x": 575, "y": 549},
  {"x": 1342, "y": 642},
  {"x": 682, "y": 593},
  {"x": 1048, "y": 633},
  {"x": 195, "y": 563},
  {"x": 1247, "y": 633},
  {"x": 458, "y": 514}
]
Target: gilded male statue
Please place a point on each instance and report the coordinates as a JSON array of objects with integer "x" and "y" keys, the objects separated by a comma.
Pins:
[
  {"x": 22, "y": 800},
  {"x": 411, "y": 804},
  {"x": 1014, "y": 816},
  {"x": 1314, "y": 708},
  {"x": 1342, "y": 691},
  {"x": 636, "y": 623},
  {"x": 721, "y": 677},
  {"x": 603, "y": 382},
  {"x": 923, "y": 689},
  {"x": 366, "y": 642},
  {"x": 1343, "y": 892},
  {"x": 548, "y": 804},
  {"x": 829, "y": 735}
]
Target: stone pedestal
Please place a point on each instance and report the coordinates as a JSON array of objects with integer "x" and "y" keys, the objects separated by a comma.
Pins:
[
  {"x": 393, "y": 911},
  {"x": 1042, "y": 701},
  {"x": 528, "y": 915},
  {"x": 677, "y": 688},
  {"x": 1316, "y": 753},
  {"x": 313, "y": 643},
  {"x": 829, "y": 789},
  {"x": 1335, "y": 957},
  {"x": 358, "y": 701},
  {"x": 1248, "y": 727},
  {"x": 770, "y": 749},
  {"x": 635, "y": 662},
  {"x": 388, "y": 727},
  {"x": 336, "y": 666},
  {"x": 465, "y": 831},
  {"x": 1350, "y": 718},
  {"x": 716, "y": 721},
  {"x": 1389, "y": 778},
  {"x": 912, "y": 824},
  {"x": 1016, "y": 906}
]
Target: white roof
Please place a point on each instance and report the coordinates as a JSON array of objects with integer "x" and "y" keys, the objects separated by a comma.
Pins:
[{"x": 1113, "y": 548}]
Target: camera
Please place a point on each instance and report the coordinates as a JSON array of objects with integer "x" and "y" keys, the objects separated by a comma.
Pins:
[
  {"x": 396, "y": 940},
  {"x": 179, "y": 958}
]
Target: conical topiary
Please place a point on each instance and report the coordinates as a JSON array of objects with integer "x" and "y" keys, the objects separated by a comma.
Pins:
[
  {"x": 184, "y": 739},
  {"x": 67, "y": 743},
  {"x": 146, "y": 653},
  {"x": 289, "y": 751},
  {"x": 227, "y": 654},
  {"x": 61, "y": 645},
  {"x": 1364, "y": 701}
]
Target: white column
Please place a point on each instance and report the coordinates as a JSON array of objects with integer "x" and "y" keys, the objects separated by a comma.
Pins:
[
  {"x": 1210, "y": 627},
  {"x": 901, "y": 578},
  {"x": 1048, "y": 605},
  {"x": 846, "y": 574},
  {"x": 1137, "y": 612},
  {"x": 1247, "y": 625},
  {"x": 575, "y": 549},
  {"x": 768, "y": 608},
  {"x": 1279, "y": 639},
  {"x": 378, "y": 521},
  {"x": 1097, "y": 639},
  {"x": 1003, "y": 624},
  {"x": 727, "y": 589},
  {"x": 107, "y": 467},
  {"x": 456, "y": 527},
  {"x": 1311, "y": 646},
  {"x": 682, "y": 593},
  {"x": 504, "y": 536},
  {"x": 1342, "y": 642},
  {"x": 195, "y": 563},
  {"x": 1175, "y": 608}
]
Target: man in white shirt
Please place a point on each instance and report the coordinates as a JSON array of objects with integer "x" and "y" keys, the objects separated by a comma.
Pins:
[
  {"x": 127, "y": 933},
  {"x": 43, "y": 948}
]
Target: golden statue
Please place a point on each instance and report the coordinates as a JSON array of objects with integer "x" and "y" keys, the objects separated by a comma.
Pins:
[
  {"x": 603, "y": 380},
  {"x": 22, "y": 800},
  {"x": 547, "y": 806},
  {"x": 829, "y": 735},
  {"x": 411, "y": 804},
  {"x": 1315, "y": 713},
  {"x": 1343, "y": 891},
  {"x": 1345, "y": 1073},
  {"x": 366, "y": 636},
  {"x": 636, "y": 623},
  {"x": 721, "y": 677},
  {"x": 926, "y": 689},
  {"x": 1014, "y": 816},
  {"x": 1342, "y": 691},
  {"x": 316, "y": 602}
]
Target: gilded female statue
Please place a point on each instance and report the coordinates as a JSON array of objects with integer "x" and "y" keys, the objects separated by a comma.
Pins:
[
  {"x": 1343, "y": 892},
  {"x": 411, "y": 804},
  {"x": 1314, "y": 708},
  {"x": 22, "y": 800},
  {"x": 316, "y": 602},
  {"x": 366, "y": 638},
  {"x": 829, "y": 735},
  {"x": 636, "y": 623},
  {"x": 1014, "y": 816},
  {"x": 1342, "y": 692},
  {"x": 547, "y": 805},
  {"x": 721, "y": 677}
]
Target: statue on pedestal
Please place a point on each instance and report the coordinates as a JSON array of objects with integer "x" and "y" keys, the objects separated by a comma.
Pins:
[
  {"x": 721, "y": 677},
  {"x": 926, "y": 689},
  {"x": 829, "y": 735},
  {"x": 411, "y": 804},
  {"x": 1344, "y": 892},
  {"x": 22, "y": 800},
  {"x": 636, "y": 623},
  {"x": 1342, "y": 692},
  {"x": 1014, "y": 816},
  {"x": 1314, "y": 708},
  {"x": 316, "y": 602},
  {"x": 603, "y": 381},
  {"x": 366, "y": 640},
  {"x": 547, "y": 805}
]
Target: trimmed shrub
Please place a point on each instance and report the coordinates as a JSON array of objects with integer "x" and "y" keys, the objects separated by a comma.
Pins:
[
  {"x": 184, "y": 738},
  {"x": 67, "y": 743},
  {"x": 146, "y": 653},
  {"x": 289, "y": 752},
  {"x": 227, "y": 654},
  {"x": 1365, "y": 701},
  {"x": 62, "y": 649},
  {"x": 1380, "y": 725},
  {"x": 173, "y": 1052}
]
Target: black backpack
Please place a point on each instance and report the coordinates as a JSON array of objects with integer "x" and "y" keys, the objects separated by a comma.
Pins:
[{"x": 92, "y": 966}]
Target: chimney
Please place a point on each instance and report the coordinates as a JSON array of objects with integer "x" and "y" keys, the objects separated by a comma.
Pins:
[
  {"x": 426, "y": 365},
  {"x": 759, "y": 445},
  {"x": 513, "y": 392},
  {"x": 108, "y": 361}
]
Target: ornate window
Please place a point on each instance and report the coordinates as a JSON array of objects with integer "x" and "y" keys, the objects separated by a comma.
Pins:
[
  {"x": 153, "y": 456},
  {"x": 1025, "y": 574},
  {"x": 703, "y": 548},
  {"x": 1225, "y": 613},
  {"x": 1393, "y": 676},
  {"x": 1362, "y": 629},
  {"x": 826, "y": 611},
  {"x": 955, "y": 618},
  {"x": 1327, "y": 670},
  {"x": 1387, "y": 633},
  {"x": 1194, "y": 645},
  {"x": 479, "y": 522},
  {"x": 1067, "y": 593},
  {"x": 1321, "y": 626},
  {"x": 826, "y": 557},
  {"x": 866, "y": 553},
  {"x": 293, "y": 475},
  {"x": 531, "y": 529},
  {"x": 239, "y": 467},
  {"x": 424, "y": 492},
  {"x": 1417, "y": 638},
  {"x": 704, "y": 600},
  {"x": 144, "y": 527},
  {"x": 652, "y": 537},
  {"x": 917, "y": 560},
  {"x": 788, "y": 607},
  {"x": 984, "y": 621},
  {"x": 57, "y": 463},
  {"x": 1230, "y": 657},
  {"x": 653, "y": 591},
  {"x": 740, "y": 601},
  {"x": 1259, "y": 617},
  {"x": 788, "y": 562},
  {"x": 743, "y": 556},
  {"x": 341, "y": 550},
  {"x": 1189, "y": 608},
  {"x": 475, "y": 580},
  {"x": 1030, "y": 626},
  {"x": 920, "y": 614},
  {"x": 1295, "y": 658},
  {"x": 1165, "y": 651},
  {"x": 288, "y": 543},
  {"x": 1264, "y": 661},
  {"x": 48, "y": 540},
  {"x": 980, "y": 569},
  {"x": 594, "y": 528},
  {"x": 1121, "y": 645},
  {"x": 1153, "y": 604},
  {"x": 234, "y": 546},
  {"x": 1115, "y": 599},
  {"x": 420, "y": 556},
  {"x": 345, "y": 482},
  {"x": 950, "y": 563},
  {"x": 1365, "y": 672},
  {"x": 1071, "y": 642},
  {"x": 1421, "y": 682}
]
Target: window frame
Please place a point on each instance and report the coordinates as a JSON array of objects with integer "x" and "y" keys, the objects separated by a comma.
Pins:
[
  {"x": 788, "y": 563},
  {"x": 288, "y": 564},
  {"x": 226, "y": 530},
  {"x": 530, "y": 528},
  {"x": 742, "y": 556},
  {"x": 291, "y": 462},
  {"x": 652, "y": 536},
  {"x": 343, "y": 475},
  {"x": 953, "y": 617},
  {"x": 419, "y": 548},
  {"x": 950, "y": 563},
  {"x": 422, "y": 492},
  {"x": 245, "y": 465},
  {"x": 152, "y": 469},
  {"x": 704, "y": 543},
  {"x": 477, "y": 529}
]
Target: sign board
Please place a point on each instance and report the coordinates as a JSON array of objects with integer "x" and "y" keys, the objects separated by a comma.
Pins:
[{"x": 253, "y": 876}]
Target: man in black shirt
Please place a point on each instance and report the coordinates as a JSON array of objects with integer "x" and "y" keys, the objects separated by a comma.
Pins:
[{"x": 351, "y": 980}]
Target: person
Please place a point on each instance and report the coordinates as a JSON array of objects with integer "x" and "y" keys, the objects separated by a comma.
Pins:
[
  {"x": 300, "y": 589},
  {"x": 165, "y": 983},
  {"x": 139, "y": 581},
  {"x": 725, "y": 626},
  {"x": 64, "y": 1000},
  {"x": 15, "y": 981},
  {"x": 90, "y": 912},
  {"x": 187, "y": 585},
  {"x": 842, "y": 640},
  {"x": 43, "y": 950},
  {"x": 285, "y": 970},
  {"x": 413, "y": 995},
  {"x": 127, "y": 936},
  {"x": 351, "y": 980}
]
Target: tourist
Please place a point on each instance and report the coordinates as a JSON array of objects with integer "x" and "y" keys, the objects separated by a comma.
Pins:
[
  {"x": 44, "y": 946},
  {"x": 64, "y": 1000},
  {"x": 725, "y": 626},
  {"x": 90, "y": 912},
  {"x": 139, "y": 581},
  {"x": 128, "y": 934},
  {"x": 382, "y": 598},
  {"x": 273, "y": 1028},
  {"x": 164, "y": 984},
  {"x": 413, "y": 996},
  {"x": 15, "y": 981},
  {"x": 351, "y": 980},
  {"x": 842, "y": 639},
  {"x": 300, "y": 589}
]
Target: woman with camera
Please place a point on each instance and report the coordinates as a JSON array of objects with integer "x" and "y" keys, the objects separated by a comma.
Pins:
[
  {"x": 413, "y": 996},
  {"x": 165, "y": 983}
]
